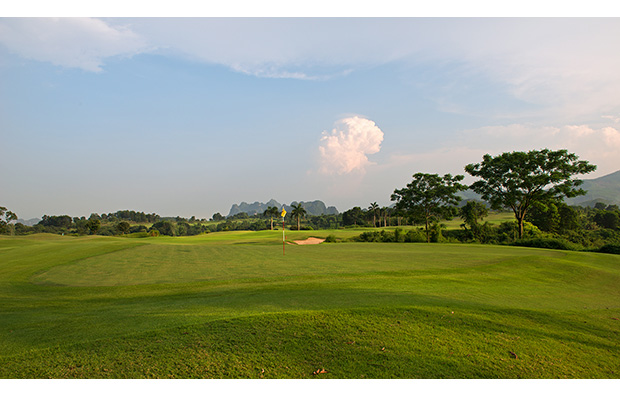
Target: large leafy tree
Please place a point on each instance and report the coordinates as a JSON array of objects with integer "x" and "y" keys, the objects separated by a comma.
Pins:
[
  {"x": 429, "y": 198},
  {"x": 298, "y": 212},
  {"x": 6, "y": 216},
  {"x": 517, "y": 180}
]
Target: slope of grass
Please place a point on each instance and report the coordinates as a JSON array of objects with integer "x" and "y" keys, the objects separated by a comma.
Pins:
[{"x": 231, "y": 305}]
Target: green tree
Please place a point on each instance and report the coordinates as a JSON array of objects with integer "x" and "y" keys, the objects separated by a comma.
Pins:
[
  {"x": 6, "y": 217},
  {"x": 165, "y": 228},
  {"x": 517, "y": 180},
  {"x": 271, "y": 212},
  {"x": 373, "y": 207},
  {"x": 94, "y": 224},
  {"x": 123, "y": 227},
  {"x": 353, "y": 216},
  {"x": 429, "y": 198},
  {"x": 607, "y": 219},
  {"x": 298, "y": 212},
  {"x": 471, "y": 213}
]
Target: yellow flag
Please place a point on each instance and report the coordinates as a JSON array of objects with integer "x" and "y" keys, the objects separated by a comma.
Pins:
[{"x": 283, "y": 212}]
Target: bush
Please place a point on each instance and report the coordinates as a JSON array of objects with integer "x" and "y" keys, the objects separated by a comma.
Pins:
[
  {"x": 331, "y": 239},
  {"x": 550, "y": 243},
  {"x": 610, "y": 249},
  {"x": 138, "y": 235},
  {"x": 369, "y": 237},
  {"x": 399, "y": 236},
  {"x": 415, "y": 236}
]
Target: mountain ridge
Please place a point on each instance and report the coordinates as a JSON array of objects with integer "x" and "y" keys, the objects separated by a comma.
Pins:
[{"x": 316, "y": 207}]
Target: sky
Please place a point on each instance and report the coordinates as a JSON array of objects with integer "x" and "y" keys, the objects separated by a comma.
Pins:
[{"x": 187, "y": 116}]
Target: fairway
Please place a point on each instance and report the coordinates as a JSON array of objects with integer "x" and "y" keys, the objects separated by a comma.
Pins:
[{"x": 232, "y": 305}]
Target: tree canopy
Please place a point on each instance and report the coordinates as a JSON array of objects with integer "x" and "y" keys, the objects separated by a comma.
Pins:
[
  {"x": 429, "y": 198},
  {"x": 298, "y": 212},
  {"x": 6, "y": 216},
  {"x": 516, "y": 180}
]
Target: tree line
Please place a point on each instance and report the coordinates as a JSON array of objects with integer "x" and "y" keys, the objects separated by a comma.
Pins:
[{"x": 532, "y": 185}]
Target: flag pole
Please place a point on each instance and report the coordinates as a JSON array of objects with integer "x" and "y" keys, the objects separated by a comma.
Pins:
[{"x": 283, "y": 237}]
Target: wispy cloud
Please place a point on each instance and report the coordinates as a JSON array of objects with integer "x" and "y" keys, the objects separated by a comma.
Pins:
[
  {"x": 82, "y": 43},
  {"x": 562, "y": 69},
  {"x": 599, "y": 146}
]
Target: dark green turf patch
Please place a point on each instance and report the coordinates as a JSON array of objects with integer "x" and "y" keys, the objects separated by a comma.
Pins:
[{"x": 414, "y": 342}]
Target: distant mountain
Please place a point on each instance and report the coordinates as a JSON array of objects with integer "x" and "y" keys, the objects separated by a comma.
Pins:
[
  {"x": 253, "y": 208},
  {"x": 604, "y": 189},
  {"x": 29, "y": 222},
  {"x": 313, "y": 208},
  {"x": 317, "y": 208},
  {"x": 468, "y": 195}
]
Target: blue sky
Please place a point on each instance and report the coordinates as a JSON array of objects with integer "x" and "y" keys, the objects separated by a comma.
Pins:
[{"x": 188, "y": 116}]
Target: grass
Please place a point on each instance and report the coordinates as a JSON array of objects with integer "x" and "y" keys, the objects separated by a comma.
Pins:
[
  {"x": 494, "y": 218},
  {"x": 230, "y": 305}
]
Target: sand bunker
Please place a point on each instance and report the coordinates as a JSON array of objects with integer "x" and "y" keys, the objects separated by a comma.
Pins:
[{"x": 309, "y": 240}]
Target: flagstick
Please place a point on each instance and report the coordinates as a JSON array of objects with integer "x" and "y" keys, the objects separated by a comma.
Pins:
[{"x": 283, "y": 237}]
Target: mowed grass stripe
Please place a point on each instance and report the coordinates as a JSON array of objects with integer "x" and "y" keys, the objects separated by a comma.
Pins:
[{"x": 157, "y": 263}]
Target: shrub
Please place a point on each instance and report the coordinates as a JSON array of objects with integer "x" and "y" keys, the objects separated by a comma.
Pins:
[
  {"x": 138, "y": 235},
  {"x": 399, "y": 236},
  {"x": 415, "y": 236},
  {"x": 610, "y": 249},
  {"x": 331, "y": 239},
  {"x": 550, "y": 243},
  {"x": 368, "y": 237}
]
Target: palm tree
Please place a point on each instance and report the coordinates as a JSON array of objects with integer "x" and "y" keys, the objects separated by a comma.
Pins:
[
  {"x": 298, "y": 212},
  {"x": 373, "y": 207},
  {"x": 271, "y": 212}
]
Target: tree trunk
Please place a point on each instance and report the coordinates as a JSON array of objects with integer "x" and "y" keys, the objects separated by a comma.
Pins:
[
  {"x": 428, "y": 237},
  {"x": 271, "y": 223},
  {"x": 520, "y": 223}
]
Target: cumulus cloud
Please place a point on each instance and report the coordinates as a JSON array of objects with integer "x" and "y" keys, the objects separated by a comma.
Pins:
[
  {"x": 345, "y": 148},
  {"x": 70, "y": 42}
]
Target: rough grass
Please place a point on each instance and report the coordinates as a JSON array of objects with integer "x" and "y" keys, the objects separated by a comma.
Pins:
[{"x": 231, "y": 305}]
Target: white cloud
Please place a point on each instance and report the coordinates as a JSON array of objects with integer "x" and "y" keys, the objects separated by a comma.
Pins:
[
  {"x": 599, "y": 146},
  {"x": 70, "y": 42},
  {"x": 613, "y": 118},
  {"x": 346, "y": 147},
  {"x": 564, "y": 68}
]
